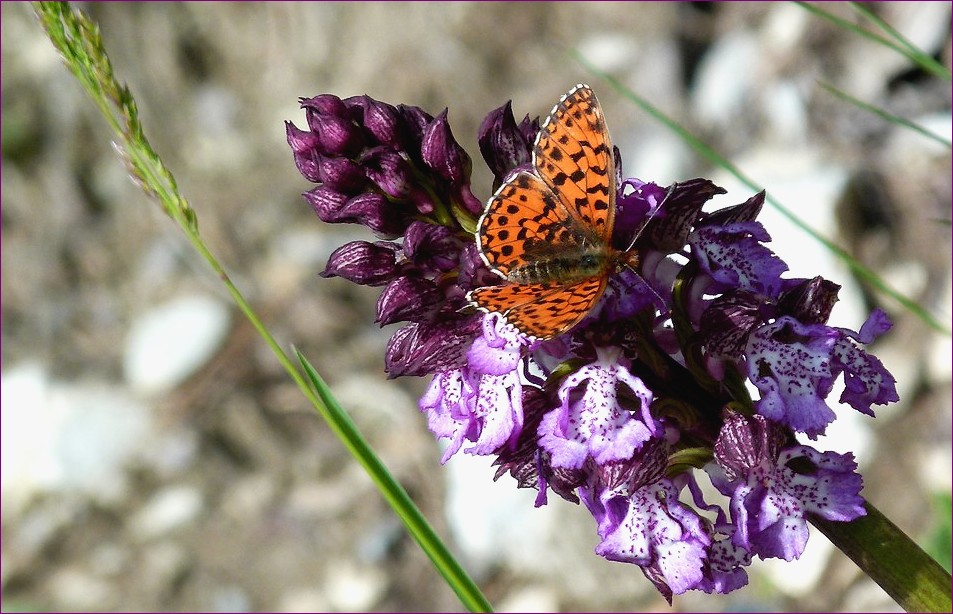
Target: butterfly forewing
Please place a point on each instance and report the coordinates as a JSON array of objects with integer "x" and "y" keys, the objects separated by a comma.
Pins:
[
  {"x": 573, "y": 155},
  {"x": 548, "y": 232},
  {"x": 523, "y": 220}
]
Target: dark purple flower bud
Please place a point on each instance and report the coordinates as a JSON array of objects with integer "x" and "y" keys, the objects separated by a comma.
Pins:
[
  {"x": 529, "y": 128},
  {"x": 303, "y": 146},
  {"x": 376, "y": 212},
  {"x": 423, "y": 348},
  {"x": 328, "y": 119},
  {"x": 728, "y": 321},
  {"x": 744, "y": 443},
  {"x": 389, "y": 171},
  {"x": 441, "y": 152},
  {"x": 682, "y": 209},
  {"x": 300, "y": 140},
  {"x": 415, "y": 121},
  {"x": 324, "y": 104},
  {"x": 647, "y": 466},
  {"x": 431, "y": 247},
  {"x": 529, "y": 465},
  {"x": 503, "y": 145},
  {"x": 561, "y": 480},
  {"x": 465, "y": 197},
  {"x": 339, "y": 137},
  {"x": 327, "y": 203},
  {"x": 521, "y": 459},
  {"x": 617, "y": 161},
  {"x": 745, "y": 212},
  {"x": 474, "y": 273},
  {"x": 380, "y": 119},
  {"x": 341, "y": 174},
  {"x": 369, "y": 264},
  {"x": 408, "y": 298},
  {"x": 810, "y": 301},
  {"x": 370, "y": 209}
]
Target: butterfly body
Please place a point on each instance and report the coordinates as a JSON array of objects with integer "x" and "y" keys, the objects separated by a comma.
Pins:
[
  {"x": 548, "y": 232},
  {"x": 567, "y": 265}
]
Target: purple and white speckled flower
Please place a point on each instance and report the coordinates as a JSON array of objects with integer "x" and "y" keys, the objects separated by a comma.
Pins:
[
  {"x": 594, "y": 423},
  {"x": 773, "y": 488},
  {"x": 482, "y": 401},
  {"x": 795, "y": 365}
]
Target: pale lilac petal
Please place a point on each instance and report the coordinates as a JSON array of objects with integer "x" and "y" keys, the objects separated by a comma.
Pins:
[{"x": 595, "y": 424}]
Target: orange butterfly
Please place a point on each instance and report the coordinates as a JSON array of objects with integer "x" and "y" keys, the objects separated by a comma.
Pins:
[{"x": 548, "y": 233}]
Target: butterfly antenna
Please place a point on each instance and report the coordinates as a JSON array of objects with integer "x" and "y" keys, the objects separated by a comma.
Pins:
[
  {"x": 633, "y": 260},
  {"x": 648, "y": 220}
]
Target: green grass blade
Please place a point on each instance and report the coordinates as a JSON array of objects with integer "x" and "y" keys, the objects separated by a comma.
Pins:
[
  {"x": 395, "y": 494},
  {"x": 717, "y": 159},
  {"x": 890, "y": 117},
  {"x": 914, "y": 55},
  {"x": 922, "y": 59},
  {"x": 79, "y": 42}
]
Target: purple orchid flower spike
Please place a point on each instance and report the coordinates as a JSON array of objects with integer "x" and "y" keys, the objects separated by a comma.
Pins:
[{"x": 619, "y": 321}]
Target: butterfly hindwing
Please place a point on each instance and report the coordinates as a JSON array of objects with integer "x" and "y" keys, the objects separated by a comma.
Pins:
[{"x": 541, "y": 310}]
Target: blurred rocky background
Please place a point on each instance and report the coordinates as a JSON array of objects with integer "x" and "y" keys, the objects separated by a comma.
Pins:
[{"x": 156, "y": 457}]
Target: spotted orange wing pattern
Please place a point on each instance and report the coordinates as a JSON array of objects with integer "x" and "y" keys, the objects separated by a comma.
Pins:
[
  {"x": 573, "y": 155},
  {"x": 568, "y": 201},
  {"x": 523, "y": 218},
  {"x": 542, "y": 310}
]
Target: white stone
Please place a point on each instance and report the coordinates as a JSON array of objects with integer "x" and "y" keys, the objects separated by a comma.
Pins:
[
  {"x": 609, "y": 52},
  {"x": 924, "y": 24},
  {"x": 909, "y": 148},
  {"x": 655, "y": 155},
  {"x": 726, "y": 76},
  {"x": 350, "y": 588},
  {"x": 172, "y": 341},
  {"x": 168, "y": 510},
  {"x": 249, "y": 496},
  {"x": 229, "y": 598},
  {"x": 495, "y": 522},
  {"x": 933, "y": 468},
  {"x": 75, "y": 589},
  {"x": 374, "y": 399},
  {"x": 783, "y": 105},
  {"x": 66, "y": 436},
  {"x": 161, "y": 564},
  {"x": 24, "y": 391},
  {"x": 173, "y": 452},
  {"x": 783, "y": 29},
  {"x": 799, "y": 577},
  {"x": 305, "y": 599},
  {"x": 530, "y": 599}
]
